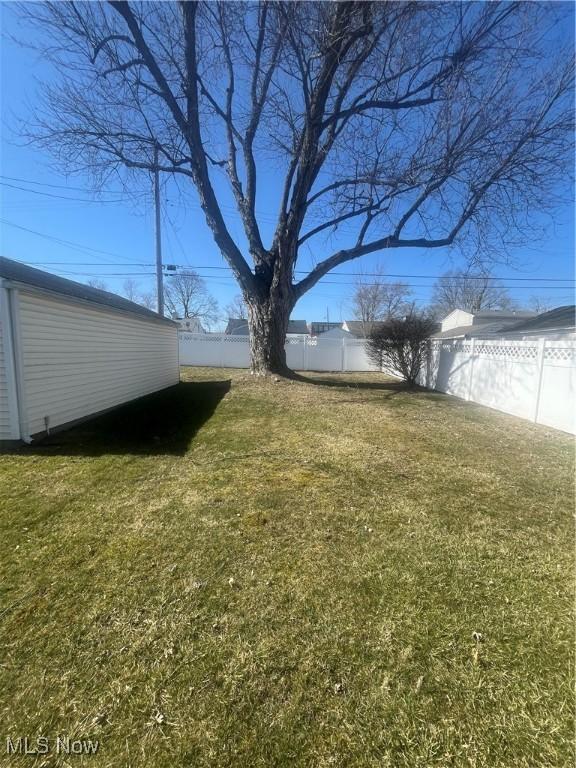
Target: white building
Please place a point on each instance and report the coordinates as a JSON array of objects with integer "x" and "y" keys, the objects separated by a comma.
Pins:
[
  {"x": 335, "y": 333},
  {"x": 190, "y": 324},
  {"x": 69, "y": 351},
  {"x": 462, "y": 324}
]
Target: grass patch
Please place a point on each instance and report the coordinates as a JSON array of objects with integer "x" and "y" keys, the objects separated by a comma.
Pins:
[{"x": 247, "y": 573}]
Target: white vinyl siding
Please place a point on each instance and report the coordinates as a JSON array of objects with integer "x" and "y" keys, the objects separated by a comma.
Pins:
[
  {"x": 79, "y": 359},
  {"x": 5, "y": 422},
  {"x": 9, "y": 427}
]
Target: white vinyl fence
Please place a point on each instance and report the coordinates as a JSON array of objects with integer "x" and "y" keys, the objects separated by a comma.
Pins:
[
  {"x": 303, "y": 353},
  {"x": 534, "y": 379}
]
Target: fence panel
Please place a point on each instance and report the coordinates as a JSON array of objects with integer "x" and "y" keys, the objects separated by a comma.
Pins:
[
  {"x": 557, "y": 407},
  {"x": 506, "y": 376},
  {"x": 303, "y": 353},
  {"x": 453, "y": 370},
  {"x": 355, "y": 357},
  {"x": 324, "y": 354},
  {"x": 533, "y": 379},
  {"x": 200, "y": 349},
  {"x": 296, "y": 353}
]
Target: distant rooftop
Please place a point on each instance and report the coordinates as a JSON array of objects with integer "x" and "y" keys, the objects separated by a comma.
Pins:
[
  {"x": 559, "y": 319},
  {"x": 470, "y": 331},
  {"x": 239, "y": 327},
  {"x": 491, "y": 314},
  {"x": 462, "y": 317},
  {"x": 322, "y": 326},
  {"x": 22, "y": 273},
  {"x": 360, "y": 328}
]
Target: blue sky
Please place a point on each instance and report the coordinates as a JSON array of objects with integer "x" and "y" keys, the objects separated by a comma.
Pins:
[{"x": 51, "y": 221}]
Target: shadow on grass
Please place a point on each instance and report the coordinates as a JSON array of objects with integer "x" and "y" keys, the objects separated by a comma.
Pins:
[
  {"x": 162, "y": 423},
  {"x": 341, "y": 382}
]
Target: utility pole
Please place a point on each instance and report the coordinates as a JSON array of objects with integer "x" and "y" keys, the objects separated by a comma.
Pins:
[{"x": 159, "y": 276}]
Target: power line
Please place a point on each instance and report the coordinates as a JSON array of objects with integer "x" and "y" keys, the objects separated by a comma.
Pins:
[
  {"x": 106, "y": 274},
  {"x": 322, "y": 281},
  {"x": 80, "y": 264},
  {"x": 335, "y": 274},
  {"x": 422, "y": 277},
  {"x": 66, "y": 197},
  {"x": 223, "y": 207},
  {"x": 84, "y": 248},
  {"x": 224, "y": 280},
  {"x": 412, "y": 277},
  {"x": 46, "y": 184},
  {"x": 67, "y": 243}
]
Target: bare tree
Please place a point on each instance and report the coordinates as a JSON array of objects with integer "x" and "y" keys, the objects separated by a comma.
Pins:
[
  {"x": 148, "y": 300},
  {"x": 186, "y": 296},
  {"x": 237, "y": 308},
  {"x": 95, "y": 282},
  {"x": 399, "y": 344},
  {"x": 471, "y": 292},
  {"x": 375, "y": 299},
  {"x": 403, "y": 124},
  {"x": 539, "y": 305},
  {"x": 131, "y": 290}
]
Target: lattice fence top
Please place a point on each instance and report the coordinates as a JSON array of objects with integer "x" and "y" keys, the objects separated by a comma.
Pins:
[
  {"x": 291, "y": 340},
  {"x": 514, "y": 352},
  {"x": 560, "y": 353},
  {"x": 455, "y": 345},
  {"x": 205, "y": 338},
  {"x": 230, "y": 339},
  {"x": 511, "y": 350}
]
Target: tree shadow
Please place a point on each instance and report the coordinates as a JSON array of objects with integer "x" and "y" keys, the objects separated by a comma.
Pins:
[
  {"x": 342, "y": 383},
  {"x": 162, "y": 423}
]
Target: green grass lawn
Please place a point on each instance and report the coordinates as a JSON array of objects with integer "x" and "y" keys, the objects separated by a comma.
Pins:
[{"x": 254, "y": 574}]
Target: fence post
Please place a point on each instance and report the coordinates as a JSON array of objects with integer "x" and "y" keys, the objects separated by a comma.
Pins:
[
  {"x": 540, "y": 371},
  {"x": 222, "y": 351},
  {"x": 470, "y": 377},
  {"x": 343, "y": 356}
]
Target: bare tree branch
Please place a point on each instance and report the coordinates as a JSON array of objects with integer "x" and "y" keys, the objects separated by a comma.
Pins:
[{"x": 389, "y": 125}]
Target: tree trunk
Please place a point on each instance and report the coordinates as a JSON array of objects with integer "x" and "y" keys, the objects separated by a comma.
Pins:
[{"x": 268, "y": 323}]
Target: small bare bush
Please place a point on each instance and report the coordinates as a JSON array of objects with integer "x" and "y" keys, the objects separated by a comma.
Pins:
[{"x": 399, "y": 345}]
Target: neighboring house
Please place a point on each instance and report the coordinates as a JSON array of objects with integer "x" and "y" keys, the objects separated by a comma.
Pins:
[
  {"x": 336, "y": 333},
  {"x": 317, "y": 328},
  {"x": 190, "y": 324},
  {"x": 69, "y": 351},
  {"x": 460, "y": 324},
  {"x": 559, "y": 323},
  {"x": 359, "y": 328},
  {"x": 239, "y": 327}
]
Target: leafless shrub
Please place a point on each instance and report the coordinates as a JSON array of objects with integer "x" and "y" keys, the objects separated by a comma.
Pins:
[{"x": 399, "y": 345}]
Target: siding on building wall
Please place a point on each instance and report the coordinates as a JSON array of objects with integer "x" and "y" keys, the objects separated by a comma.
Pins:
[
  {"x": 79, "y": 359},
  {"x": 9, "y": 426},
  {"x": 5, "y": 423}
]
